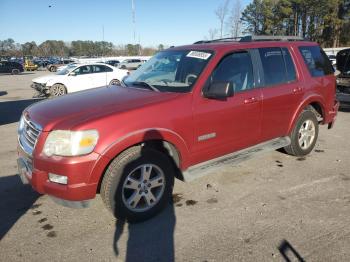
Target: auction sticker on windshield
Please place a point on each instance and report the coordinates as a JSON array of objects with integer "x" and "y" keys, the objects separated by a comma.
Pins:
[{"x": 200, "y": 55}]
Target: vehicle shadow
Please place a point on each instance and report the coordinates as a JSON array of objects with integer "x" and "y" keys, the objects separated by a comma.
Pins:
[
  {"x": 3, "y": 93},
  {"x": 16, "y": 200},
  {"x": 153, "y": 239},
  {"x": 288, "y": 252},
  {"x": 11, "y": 111}
]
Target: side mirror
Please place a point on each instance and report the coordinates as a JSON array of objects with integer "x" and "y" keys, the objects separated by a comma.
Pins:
[
  {"x": 72, "y": 74},
  {"x": 219, "y": 90}
]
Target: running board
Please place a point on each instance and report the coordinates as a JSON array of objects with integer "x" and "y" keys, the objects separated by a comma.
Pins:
[{"x": 208, "y": 167}]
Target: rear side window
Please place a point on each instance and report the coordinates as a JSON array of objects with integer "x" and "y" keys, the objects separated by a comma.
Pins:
[
  {"x": 291, "y": 74},
  {"x": 316, "y": 61},
  {"x": 273, "y": 65}
]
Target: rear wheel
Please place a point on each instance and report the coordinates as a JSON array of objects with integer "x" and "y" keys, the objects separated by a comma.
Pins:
[
  {"x": 57, "y": 90},
  {"x": 138, "y": 184},
  {"x": 15, "y": 71},
  {"x": 114, "y": 82},
  {"x": 53, "y": 69},
  {"x": 304, "y": 135}
]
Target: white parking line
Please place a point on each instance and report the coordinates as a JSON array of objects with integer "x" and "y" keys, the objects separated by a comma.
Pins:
[{"x": 310, "y": 184}]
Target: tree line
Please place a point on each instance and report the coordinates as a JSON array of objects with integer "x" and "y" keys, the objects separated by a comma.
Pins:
[
  {"x": 9, "y": 47},
  {"x": 324, "y": 21}
]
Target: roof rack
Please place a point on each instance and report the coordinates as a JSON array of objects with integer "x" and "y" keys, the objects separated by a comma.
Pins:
[{"x": 253, "y": 38}]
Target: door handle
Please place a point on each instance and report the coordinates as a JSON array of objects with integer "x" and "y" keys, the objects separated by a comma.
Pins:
[
  {"x": 297, "y": 90},
  {"x": 250, "y": 100}
]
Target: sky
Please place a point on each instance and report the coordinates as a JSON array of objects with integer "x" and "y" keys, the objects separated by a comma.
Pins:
[{"x": 165, "y": 22}]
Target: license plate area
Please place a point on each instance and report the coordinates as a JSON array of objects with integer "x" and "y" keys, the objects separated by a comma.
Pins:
[{"x": 25, "y": 168}]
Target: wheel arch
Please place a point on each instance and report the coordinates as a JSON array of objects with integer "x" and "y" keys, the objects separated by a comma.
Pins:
[
  {"x": 316, "y": 103},
  {"x": 163, "y": 140}
]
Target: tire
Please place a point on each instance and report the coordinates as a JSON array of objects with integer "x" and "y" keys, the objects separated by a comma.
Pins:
[
  {"x": 53, "y": 69},
  {"x": 123, "y": 198},
  {"x": 15, "y": 71},
  {"x": 304, "y": 135},
  {"x": 114, "y": 82},
  {"x": 57, "y": 90},
  {"x": 123, "y": 67}
]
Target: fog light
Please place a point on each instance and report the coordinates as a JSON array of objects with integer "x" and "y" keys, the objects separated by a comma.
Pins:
[{"x": 58, "y": 179}]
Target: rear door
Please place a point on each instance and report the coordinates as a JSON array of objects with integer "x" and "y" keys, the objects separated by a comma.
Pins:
[
  {"x": 282, "y": 91},
  {"x": 224, "y": 126},
  {"x": 100, "y": 75}
]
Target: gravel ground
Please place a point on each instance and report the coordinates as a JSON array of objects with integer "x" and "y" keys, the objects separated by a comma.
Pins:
[{"x": 260, "y": 210}]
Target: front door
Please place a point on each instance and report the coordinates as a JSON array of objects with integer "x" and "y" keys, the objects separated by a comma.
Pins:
[
  {"x": 225, "y": 126},
  {"x": 81, "y": 79}
]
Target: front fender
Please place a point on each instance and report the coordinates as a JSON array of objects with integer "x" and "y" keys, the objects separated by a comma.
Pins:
[{"x": 138, "y": 137}]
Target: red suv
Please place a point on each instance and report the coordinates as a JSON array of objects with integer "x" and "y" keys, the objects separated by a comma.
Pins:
[{"x": 186, "y": 112}]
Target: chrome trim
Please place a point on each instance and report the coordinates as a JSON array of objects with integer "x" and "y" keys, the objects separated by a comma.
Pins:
[{"x": 28, "y": 136}]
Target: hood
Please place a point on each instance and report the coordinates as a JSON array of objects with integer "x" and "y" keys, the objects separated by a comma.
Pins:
[
  {"x": 45, "y": 79},
  {"x": 71, "y": 110}
]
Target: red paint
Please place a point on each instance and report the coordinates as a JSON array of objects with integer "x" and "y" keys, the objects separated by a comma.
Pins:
[{"x": 125, "y": 117}]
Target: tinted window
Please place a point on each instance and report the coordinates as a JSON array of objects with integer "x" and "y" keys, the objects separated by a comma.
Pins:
[
  {"x": 273, "y": 65},
  {"x": 316, "y": 61},
  {"x": 291, "y": 74},
  {"x": 236, "y": 68},
  {"x": 343, "y": 63},
  {"x": 101, "y": 69},
  {"x": 83, "y": 70}
]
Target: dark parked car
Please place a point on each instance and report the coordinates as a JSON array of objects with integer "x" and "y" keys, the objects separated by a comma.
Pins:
[
  {"x": 11, "y": 67},
  {"x": 343, "y": 79},
  {"x": 113, "y": 62}
]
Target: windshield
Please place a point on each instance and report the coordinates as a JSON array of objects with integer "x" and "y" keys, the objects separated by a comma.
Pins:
[
  {"x": 63, "y": 71},
  {"x": 170, "y": 71}
]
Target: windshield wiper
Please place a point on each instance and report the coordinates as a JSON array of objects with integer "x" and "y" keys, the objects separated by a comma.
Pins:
[{"x": 145, "y": 84}]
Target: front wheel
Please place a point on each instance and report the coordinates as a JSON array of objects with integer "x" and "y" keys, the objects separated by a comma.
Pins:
[
  {"x": 304, "y": 135},
  {"x": 138, "y": 184},
  {"x": 57, "y": 90}
]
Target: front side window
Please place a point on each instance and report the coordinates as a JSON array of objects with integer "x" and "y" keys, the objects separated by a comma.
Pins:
[
  {"x": 316, "y": 60},
  {"x": 83, "y": 70},
  {"x": 170, "y": 71},
  {"x": 236, "y": 68}
]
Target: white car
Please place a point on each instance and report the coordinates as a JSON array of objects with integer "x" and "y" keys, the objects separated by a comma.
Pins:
[
  {"x": 71, "y": 65},
  {"x": 78, "y": 78}
]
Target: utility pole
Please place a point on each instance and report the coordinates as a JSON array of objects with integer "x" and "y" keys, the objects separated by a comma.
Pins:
[{"x": 133, "y": 19}]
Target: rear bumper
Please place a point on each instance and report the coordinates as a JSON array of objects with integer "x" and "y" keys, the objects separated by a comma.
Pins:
[{"x": 332, "y": 115}]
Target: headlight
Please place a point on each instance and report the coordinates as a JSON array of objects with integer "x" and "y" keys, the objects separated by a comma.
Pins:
[{"x": 70, "y": 143}]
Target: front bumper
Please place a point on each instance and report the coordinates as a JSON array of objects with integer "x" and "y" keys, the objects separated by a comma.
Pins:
[
  {"x": 41, "y": 88},
  {"x": 79, "y": 170}
]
